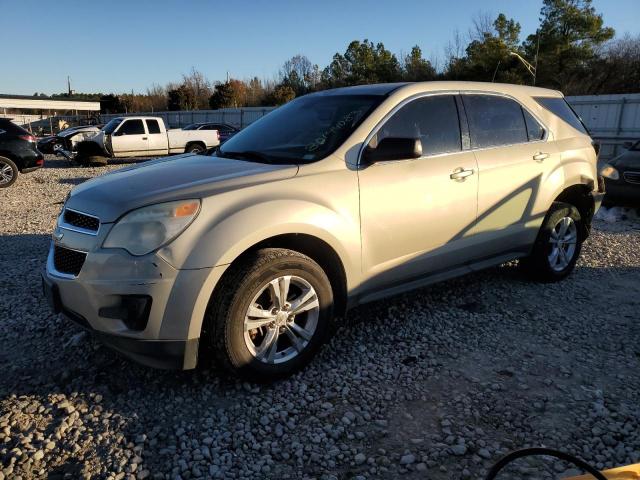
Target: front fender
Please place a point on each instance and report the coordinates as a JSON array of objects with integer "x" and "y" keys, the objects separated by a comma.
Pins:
[{"x": 219, "y": 240}]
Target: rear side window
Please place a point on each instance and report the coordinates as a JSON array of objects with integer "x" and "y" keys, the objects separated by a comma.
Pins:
[
  {"x": 132, "y": 127},
  {"x": 535, "y": 131},
  {"x": 434, "y": 120},
  {"x": 494, "y": 121},
  {"x": 560, "y": 107},
  {"x": 153, "y": 126}
]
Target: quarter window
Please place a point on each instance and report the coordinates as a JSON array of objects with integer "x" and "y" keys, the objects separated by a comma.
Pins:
[
  {"x": 132, "y": 127},
  {"x": 494, "y": 121},
  {"x": 535, "y": 131},
  {"x": 434, "y": 120},
  {"x": 153, "y": 126}
]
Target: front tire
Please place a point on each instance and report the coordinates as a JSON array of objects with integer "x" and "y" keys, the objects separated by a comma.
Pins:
[
  {"x": 8, "y": 172},
  {"x": 270, "y": 314},
  {"x": 558, "y": 245}
]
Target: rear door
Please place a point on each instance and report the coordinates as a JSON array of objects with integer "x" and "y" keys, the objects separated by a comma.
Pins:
[
  {"x": 514, "y": 160},
  {"x": 130, "y": 139},
  {"x": 158, "y": 144}
]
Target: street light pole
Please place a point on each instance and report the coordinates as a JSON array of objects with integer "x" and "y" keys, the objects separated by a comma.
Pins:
[{"x": 530, "y": 68}]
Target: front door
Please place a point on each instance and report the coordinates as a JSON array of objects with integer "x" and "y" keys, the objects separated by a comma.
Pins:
[
  {"x": 416, "y": 213},
  {"x": 130, "y": 139}
]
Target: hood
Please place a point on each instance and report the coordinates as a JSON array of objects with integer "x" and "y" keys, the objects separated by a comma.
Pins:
[
  {"x": 172, "y": 178},
  {"x": 629, "y": 160}
]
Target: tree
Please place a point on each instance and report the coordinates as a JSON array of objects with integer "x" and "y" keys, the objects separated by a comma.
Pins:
[
  {"x": 566, "y": 42},
  {"x": 222, "y": 96},
  {"x": 181, "y": 98},
  {"x": 488, "y": 55},
  {"x": 362, "y": 62},
  {"x": 282, "y": 94},
  {"x": 111, "y": 104},
  {"x": 300, "y": 74},
  {"x": 199, "y": 87},
  {"x": 416, "y": 68},
  {"x": 255, "y": 92}
]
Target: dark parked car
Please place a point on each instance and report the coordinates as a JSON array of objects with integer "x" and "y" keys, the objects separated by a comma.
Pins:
[
  {"x": 622, "y": 176},
  {"x": 225, "y": 130},
  {"x": 18, "y": 152},
  {"x": 68, "y": 138}
]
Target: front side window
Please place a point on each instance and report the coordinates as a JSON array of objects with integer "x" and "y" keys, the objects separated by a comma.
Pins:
[
  {"x": 433, "y": 119},
  {"x": 132, "y": 127},
  {"x": 153, "y": 126},
  {"x": 494, "y": 121}
]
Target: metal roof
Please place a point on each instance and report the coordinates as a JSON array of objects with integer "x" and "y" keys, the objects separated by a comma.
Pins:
[{"x": 37, "y": 103}]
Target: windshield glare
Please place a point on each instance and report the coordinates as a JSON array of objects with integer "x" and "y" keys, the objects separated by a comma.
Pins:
[
  {"x": 112, "y": 125},
  {"x": 304, "y": 130}
]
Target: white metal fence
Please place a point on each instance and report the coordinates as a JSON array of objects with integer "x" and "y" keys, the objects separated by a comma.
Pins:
[
  {"x": 612, "y": 120},
  {"x": 238, "y": 117}
]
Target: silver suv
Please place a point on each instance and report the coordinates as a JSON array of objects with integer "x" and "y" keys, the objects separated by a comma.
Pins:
[{"x": 338, "y": 198}]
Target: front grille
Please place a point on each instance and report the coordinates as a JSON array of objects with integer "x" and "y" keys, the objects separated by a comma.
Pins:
[
  {"x": 68, "y": 261},
  {"x": 632, "y": 177},
  {"x": 81, "y": 220}
]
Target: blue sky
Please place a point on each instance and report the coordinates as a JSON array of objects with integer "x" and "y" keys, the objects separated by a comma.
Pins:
[{"x": 117, "y": 46}]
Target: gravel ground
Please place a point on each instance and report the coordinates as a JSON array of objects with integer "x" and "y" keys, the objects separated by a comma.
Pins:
[{"x": 438, "y": 383}]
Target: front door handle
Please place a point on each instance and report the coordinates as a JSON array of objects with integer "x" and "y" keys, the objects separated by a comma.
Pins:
[
  {"x": 540, "y": 156},
  {"x": 144, "y": 138},
  {"x": 459, "y": 174}
]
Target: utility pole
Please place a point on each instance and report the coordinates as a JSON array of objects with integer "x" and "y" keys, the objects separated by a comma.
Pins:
[{"x": 69, "y": 91}]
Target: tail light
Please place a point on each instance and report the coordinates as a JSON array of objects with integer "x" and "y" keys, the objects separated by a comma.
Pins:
[
  {"x": 28, "y": 138},
  {"x": 40, "y": 163}
]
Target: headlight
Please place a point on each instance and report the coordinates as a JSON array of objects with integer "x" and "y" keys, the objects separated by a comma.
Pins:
[
  {"x": 609, "y": 171},
  {"x": 147, "y": 229}
]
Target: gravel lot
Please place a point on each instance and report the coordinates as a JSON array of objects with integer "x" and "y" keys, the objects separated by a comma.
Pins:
[{"x": 438, "y": 383}]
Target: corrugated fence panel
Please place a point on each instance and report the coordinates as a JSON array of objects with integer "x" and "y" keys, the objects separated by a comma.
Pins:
[
  {"x": 611, "y": 119},
  {"x": 238, "y": 117}
]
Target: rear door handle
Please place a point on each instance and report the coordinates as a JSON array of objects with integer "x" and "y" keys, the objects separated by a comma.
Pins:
[
  {"x": 540, "y": 156},
  {"x": 459, "y": 174}
]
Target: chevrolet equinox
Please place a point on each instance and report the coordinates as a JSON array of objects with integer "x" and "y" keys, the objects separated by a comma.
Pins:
[{"x": 245, "y": 256}]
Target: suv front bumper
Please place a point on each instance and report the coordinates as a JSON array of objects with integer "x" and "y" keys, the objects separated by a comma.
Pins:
[{"x": 167, "y": 338}]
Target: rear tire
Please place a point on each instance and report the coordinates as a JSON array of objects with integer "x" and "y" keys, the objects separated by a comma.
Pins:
[
  {"x": 257, "y": 331},
  {"x": 8, "y": 172},
  {"x": 194, "y": 148},
  {"x": 558, "y": 245}
]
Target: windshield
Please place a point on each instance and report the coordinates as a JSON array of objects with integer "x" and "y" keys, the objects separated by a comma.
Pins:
[
  {"x": 112, "y": 125},
  {"x": 302, "y": 131},
  {"x": 193, "y": 126}
]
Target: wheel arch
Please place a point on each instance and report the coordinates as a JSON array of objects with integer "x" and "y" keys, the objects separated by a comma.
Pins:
[
  {"x": 195, "y": 142},
  {"x": 579, "y": 195}
]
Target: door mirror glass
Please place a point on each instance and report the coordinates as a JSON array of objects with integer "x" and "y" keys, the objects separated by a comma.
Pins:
[{"x": 393, "y": 148}]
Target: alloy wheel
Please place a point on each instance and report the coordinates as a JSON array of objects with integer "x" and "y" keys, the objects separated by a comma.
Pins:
[
  {"x": 281, "y": 319},
  {"x": 563, "y": 240},
  {"x": 6, "y": 173}
]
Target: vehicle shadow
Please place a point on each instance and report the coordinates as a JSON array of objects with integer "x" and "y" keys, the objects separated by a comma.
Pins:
[{"x": 73, "y": 181}]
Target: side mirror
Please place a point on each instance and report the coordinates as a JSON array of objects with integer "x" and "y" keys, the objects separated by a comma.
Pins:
[{"x": 393, "y": 148}]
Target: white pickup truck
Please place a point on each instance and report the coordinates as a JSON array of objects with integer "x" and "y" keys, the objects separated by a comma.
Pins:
[{"x": 125, "y": 137}]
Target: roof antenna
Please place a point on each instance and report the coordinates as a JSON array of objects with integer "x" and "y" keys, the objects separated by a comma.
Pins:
[{"x": 493, "y": 80}]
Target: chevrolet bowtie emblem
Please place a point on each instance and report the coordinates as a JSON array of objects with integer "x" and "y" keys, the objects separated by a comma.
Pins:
[{"x": 57, "y": 235}]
